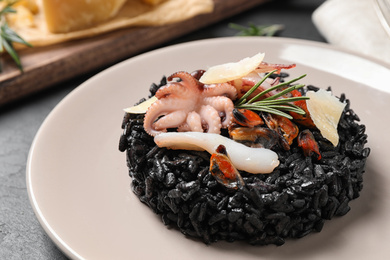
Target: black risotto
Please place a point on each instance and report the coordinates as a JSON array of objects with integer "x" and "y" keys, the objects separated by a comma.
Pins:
[{"x": 293, "y": 201}]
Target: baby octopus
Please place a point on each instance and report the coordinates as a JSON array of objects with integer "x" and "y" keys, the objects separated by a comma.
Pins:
[{"x": 190, "y": 106}]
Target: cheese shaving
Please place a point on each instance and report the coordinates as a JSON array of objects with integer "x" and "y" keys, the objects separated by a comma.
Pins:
[{"x": 325, "y": 111}]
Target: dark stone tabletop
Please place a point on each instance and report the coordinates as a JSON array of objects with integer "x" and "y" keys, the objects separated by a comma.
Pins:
[{"x": 21, "y": 236}]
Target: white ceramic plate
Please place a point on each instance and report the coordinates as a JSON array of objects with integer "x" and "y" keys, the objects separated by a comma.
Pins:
[{"x": 78, "y": 181}]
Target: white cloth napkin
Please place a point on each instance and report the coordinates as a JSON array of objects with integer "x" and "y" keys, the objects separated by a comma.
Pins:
[{"x": 354, "y": 25}]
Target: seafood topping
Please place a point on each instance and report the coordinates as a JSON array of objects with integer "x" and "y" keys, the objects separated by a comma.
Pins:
[
  {"x": 190, "y": 106},
  {"x": 245, "y": 117},
  {"x": 308, "y": 144},
  {"x": 196, "y": 106},
  {"x": 285, "y": 127},
  {"x": 305, "y": 119},
  {"x": 198, "y": 74},
  {"x": 223, "y": 170},
  {"x": 266, "y": 67},
  {"x": 261, "y": 137},
  {"x": 252, "y": 160}
]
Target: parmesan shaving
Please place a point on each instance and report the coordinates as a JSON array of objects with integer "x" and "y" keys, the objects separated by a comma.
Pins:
[
  {"x": 231, "y": 71},
  {"x": 325, "y": 111}
]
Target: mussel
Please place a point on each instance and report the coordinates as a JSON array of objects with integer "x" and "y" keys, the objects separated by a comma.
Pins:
[
  {"x": 284, "y": 126},
  {"x": 260, "y": 137},
  {"x": 308, "y": 144},
  {"x": 223, "y": 169},
  {"x": 245, "y": 117}
]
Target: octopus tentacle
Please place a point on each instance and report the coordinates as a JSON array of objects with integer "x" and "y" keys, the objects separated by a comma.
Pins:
[
  {"x": 190, "y": 106},
  {"x": 159, "y": 108},
  {"x": 170, "y": 90},
  {"x": 193, "y": 123},
  {"x": 154, "y": 111},
  {"x": 221, "y": 89},
  {"x": 184, "y": 128},
  {"x": 170, "y": 120},
  {"x": 198, "y": 74},
  {"x": 188, "y": 80},
  {"x": 224, "y": 105},
  {"x": 211, "y": 118}
]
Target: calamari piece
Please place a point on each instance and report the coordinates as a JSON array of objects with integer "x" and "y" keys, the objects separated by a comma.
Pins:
[{"x": 252, "y": 160}]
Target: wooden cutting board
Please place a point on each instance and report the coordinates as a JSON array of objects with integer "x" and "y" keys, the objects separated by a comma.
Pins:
[{"x": 46, "y": 66}]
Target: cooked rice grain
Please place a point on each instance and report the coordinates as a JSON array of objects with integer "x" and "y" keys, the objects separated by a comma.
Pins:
[{"x": 293, "y": 201}]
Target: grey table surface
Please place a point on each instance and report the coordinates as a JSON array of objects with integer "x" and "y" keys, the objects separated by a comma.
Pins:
[{"x": 21, "y": 236}]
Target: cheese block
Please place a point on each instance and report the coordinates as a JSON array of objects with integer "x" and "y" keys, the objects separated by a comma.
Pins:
[
  {"x": 46, "y": 22},
  {"x": 25, "y": 10},
  {"x": 152, "y": 2},
  {"x": 64, "y": 16}
]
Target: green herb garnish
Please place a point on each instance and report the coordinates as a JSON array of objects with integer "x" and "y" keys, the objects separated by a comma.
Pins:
[
  {"x": 9, "y": 36},
  {"x": 257, "y": 30},
  {"x": 272, "y": 104}
]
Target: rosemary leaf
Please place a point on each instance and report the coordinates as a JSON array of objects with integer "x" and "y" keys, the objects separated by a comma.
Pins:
[
  {"x": 1, "y": 47},
  {"x": 276, "y": 87},
  {"x": 285, "y": 108},
  {"x": 291, "y": 107},
  {"x": 9, "y": 36},
  {"x": 249, "y": 92},
  {"x": 283, "y": 92},
  {"x": 7, "y": 9},
  {"x": 269, "y": 110},
  {"x": 11, "y": 51},
  {"x": 272, "y": 104},
  {"x": 257, "y": 30},
  {"x": 280, "y": 101}
]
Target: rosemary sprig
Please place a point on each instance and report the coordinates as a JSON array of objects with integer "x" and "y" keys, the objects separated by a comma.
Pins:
[
  {"x": 9, "y": 36},
  {"x": 257, "y": 30},
  {"x": 272, "y": 104},
  {"x": 249, "y": 92}
]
